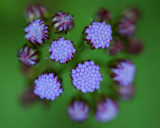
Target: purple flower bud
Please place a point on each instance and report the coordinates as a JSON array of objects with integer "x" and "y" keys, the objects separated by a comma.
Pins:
[
  {"x": 103, "y": 15},
  {"x": 62, "y": 50},
  {"x": 106, "y": 110},
  {"x": 116, "y": 46},
  {"x": 126, "y": 92},
  {"x": 28, "y": 96},
  {"x": 126, "y": 27},
  {"x": 78, "y": 110},
  {"x": 132, "y": 13},
  {"x": 36, "y": 32},
  {"x": 86, "y": 77},
  {"x": 62, "y": 22},
  {"x": 123, "y": 73},
  {"x": 47, "y": 86},
  {"x": 98, "y": 34},
  {"x": 28, "y": 56},
  {"x": 134, "y": 46},
  {"x": 35, "y": 11}
]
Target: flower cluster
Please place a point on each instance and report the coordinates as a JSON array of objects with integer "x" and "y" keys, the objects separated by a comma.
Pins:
[
  {"x": 36, "y": 32},
  {"x": 106, "y": 110},
  {"x": 99, "y": 34},
  {"x": 62, "y": 50},
  {"x": 47, "y": 86},
  {"x": 62, "y": 22},
  {"x": 86, "y": 77},
  {"x": 124, "y": 72},
  {"x": 28, "y": 56},
  {"x": 78, "y": 110}
]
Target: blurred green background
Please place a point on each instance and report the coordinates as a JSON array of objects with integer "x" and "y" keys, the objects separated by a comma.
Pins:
[{"x": 141, "y": 112}]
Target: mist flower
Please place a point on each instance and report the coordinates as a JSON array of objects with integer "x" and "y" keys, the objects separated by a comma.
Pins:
[
  {"x": 123, "y": 73},
  {"x": 35, "y": 11},
  {"x": 132, "y": 13},
  {"x": 86, "y": 77},
  {"x": 134, "y": 46},
  {"x": 28, "y": 56},
  {"x": 78, "y": 110},
  {"x": 103, "y": 15},
  {"x": 98, "y": 34},
  {"x": 106, "y": 110},
  {"x": 116, "y": 46},
  {"x": 62, "y": 50},
  {"x": 126, "y": 27},
  {"x": 47, "y": 86},
  {"x": 36, "y": 32},
  {"x": 126, "y": 92},
  {"x": 62, "y": 22}
]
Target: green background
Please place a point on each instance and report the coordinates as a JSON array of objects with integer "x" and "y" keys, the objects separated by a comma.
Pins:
[{"x": 141, "y": 112}]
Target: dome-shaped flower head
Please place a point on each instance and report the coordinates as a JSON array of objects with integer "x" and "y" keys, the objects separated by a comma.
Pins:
[
  {"x": 47, "y": 86},
  {"x": 126, "y": 27},
  {"x": 98, "y": 34},
  {"x": 123, "y": 73},
  {"x": 103, "y": 15},
  {"x": 134, "y": 46},
  {"x": 116, "y": 46},
  {"x": 62, "y": 22},
  {"x": 86, "y": 77},
  {"x": 28, "y": 56},
  {"x": 34, "y": 11},
  {"x": 106, "y": 110},
  {"x": 78, "y": 110},
  {"x": 132, "y": 13},
  {"x": 36, "y": 32},
  {"x": 62, "y": 50},
  {"x": 126, "y": 92}
]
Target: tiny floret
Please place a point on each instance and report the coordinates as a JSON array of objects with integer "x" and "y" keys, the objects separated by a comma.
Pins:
[
  {"x": 98, "y": 34},
  {"x": 47, "y": 86},
  {"x": 124, "y": 73},
  {"x": 36, "y": 32},
  {"x": 86, "y": 77},
  {"x": 62, "y": 50},
  {"x": 106, "y": 110},
  {"x": 78, "y": 110},
  {"x": 28, "y": 56},
  {"x": 62, "y": 22}
]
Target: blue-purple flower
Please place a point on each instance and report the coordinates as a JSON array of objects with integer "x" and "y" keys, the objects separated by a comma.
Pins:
[
  {"x": 28, "y": 56},
  {"x": 47, "y": 86},
  {"x": 106, "y": 110},
  {"x": 62, "y": 22},
  {"x": 98, "y": 34},
  {"x": 62, "y": 50},
  {"x": 78, "y": 110},
  {"x": 36, "y": 32},
  {"x": 123, "y": 73},
  {"x": 86, "y": 77}
]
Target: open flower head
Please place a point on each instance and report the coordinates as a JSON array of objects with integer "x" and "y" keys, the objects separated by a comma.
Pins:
[
  {"x": 86, "y": 77},
  {"x": 62, "y": 50},
  {"x": 98, "y": 35},
  {"x": 28, "y": 56},
  {"x": 62, "y": 22},
  {"x": 78, "y": 110},
  {"x": 35, "y": 11},
  {"x": 47, "y": 86},
  {"x": 36, "y": 32},
  {"x": 123, "y": 73},
  {"x": 106, "y": 110}
]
